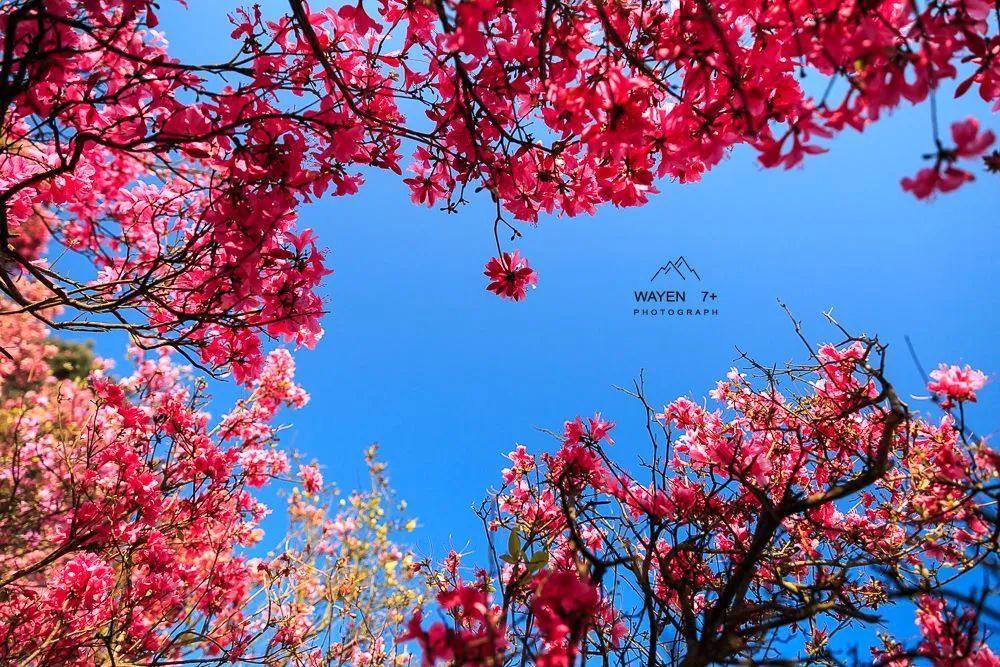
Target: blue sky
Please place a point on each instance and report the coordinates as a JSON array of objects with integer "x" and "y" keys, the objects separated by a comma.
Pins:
[{"x": 419, "y": 357}]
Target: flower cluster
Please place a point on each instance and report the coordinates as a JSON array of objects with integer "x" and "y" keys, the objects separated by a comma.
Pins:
[
  {"x": 129, "y": 517},
  {"x": 944, "y": 176},
  {"x": 476, "y": 638},
  {"x": 181, "y": 183},
  {"x": 759, "y": 528}
]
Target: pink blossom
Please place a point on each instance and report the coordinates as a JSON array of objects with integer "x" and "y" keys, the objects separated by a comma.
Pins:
[
  {"x": 969, "y": 142},
  {"x": 312, "y": 480},
  {"x": 954, "y": 383},
  {"x": 510, "y": 276}
]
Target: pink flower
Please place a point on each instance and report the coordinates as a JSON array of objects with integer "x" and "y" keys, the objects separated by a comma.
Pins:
[
  {"x": 510, "y": 276},
  {"x": 599, "y": 429},
  {"x": 968, "y": 141},
  {"x": 564, "y": 607},
  {"x": 82, "y": 582},
  {"x": 946, "y": 637},
  {"x": 922, "y": 185},
  {"x": 360, "y": 17},
  {"x": 523, "y": 463},
  {"x": 312, "y": 479},
  {"x": 952, "y": 383},
  {"x": 478, "y": 637},
  {"x": 945, "y": 176},
  {"x": 573, "y": 431},
  {"x": 32, "y": 236},
  {"x": 928, "y": 181}
]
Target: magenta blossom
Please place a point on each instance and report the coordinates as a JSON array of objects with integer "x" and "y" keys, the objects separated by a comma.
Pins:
[
  {"x": 952, "y": 383},
  {"x": 510, "y": 275}
]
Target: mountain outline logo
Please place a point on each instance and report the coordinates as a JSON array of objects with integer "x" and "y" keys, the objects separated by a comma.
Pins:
[{"x": 680, "y": 266}]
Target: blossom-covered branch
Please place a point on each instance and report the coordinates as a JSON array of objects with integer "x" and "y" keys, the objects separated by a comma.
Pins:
[
  {"x": 130, "y": 527},
  {"x": 768, "y": 527},
  {"x": 180, "y": 182}
]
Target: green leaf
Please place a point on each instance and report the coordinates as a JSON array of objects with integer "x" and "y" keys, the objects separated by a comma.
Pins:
[
  {"x": 514, "y": 544},
  {"x": 538, "y": 560}
]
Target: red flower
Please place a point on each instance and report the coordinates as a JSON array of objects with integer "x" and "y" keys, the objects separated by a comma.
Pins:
[
  {"x": 969, "y": 142},
  {"x": 945, "y": 177},
  {"x": 564, "y": 608},
  {"x": 510, "y": 275}
]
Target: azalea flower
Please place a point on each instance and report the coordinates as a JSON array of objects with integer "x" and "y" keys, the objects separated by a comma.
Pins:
[
  {"x": 510, "y": 276},
  {"x": 952, "y": 383}
]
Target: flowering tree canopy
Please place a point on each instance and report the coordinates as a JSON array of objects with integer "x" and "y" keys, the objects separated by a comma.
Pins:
[
  {"x": 180, "y": 182},
  {"x": 143, "y": 194},
  {"x": 793, "y": 516},
  {"x": 128, "y": 517}
]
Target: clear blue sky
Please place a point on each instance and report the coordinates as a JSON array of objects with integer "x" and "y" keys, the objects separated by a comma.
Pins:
[{"x": 418, "y": 356}]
